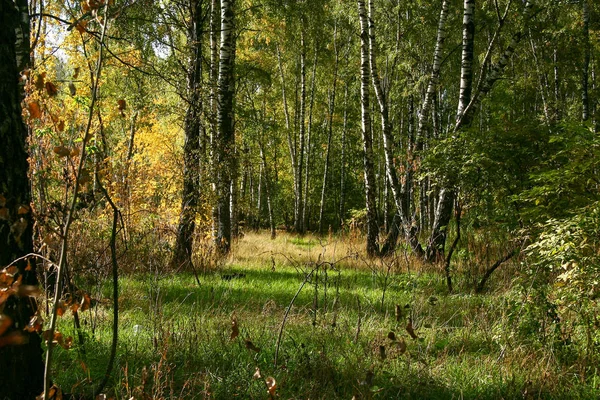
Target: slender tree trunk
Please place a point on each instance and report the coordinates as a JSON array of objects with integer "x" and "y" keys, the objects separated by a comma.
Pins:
[
  {"x": 342, "y": 209},
  {"x": 263, "y": 159},
  {"x": 308, "y": 142},
  {"x": 369, "y": 172},
  {"x": 434, "y": 78},
  {"x": 215, "y": 26},
  {"x": 585, "y": 114},
  {"x": 330, "y": 130},
  {"x": 182, "y": 256},
  {"x": 21, "y": 366},
  {"x": 225, "y": 145},
  {"x": 298, "y": 221}
]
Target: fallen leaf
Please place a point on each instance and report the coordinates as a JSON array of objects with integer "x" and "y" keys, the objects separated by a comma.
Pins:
[
  {"x": 257, "y": 374},
  {"x": 410, "y": 330},
  {"x": 382, "y": 352},
  {"x": 250, "y": 346},
  {"x": 235, "y": 330},
  {"x": 121, "y": 105},
  {"x": 61, "y": 125},
  {"x": 402, "y": 346},
  {"x": 271, "y": 385}
]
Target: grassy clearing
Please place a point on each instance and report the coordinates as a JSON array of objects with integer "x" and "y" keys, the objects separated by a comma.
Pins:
[{"x": 175, "y": 342}]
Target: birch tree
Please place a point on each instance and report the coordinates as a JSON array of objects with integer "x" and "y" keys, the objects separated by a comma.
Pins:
[{"x": 225, "y": 141}]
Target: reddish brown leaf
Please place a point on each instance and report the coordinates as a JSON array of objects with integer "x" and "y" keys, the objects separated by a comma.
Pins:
[
  {"x": 61, "y": 308},
  {"x": 34, "y": 110},
  {"x": 81, "y": 25},
  {"x": 86, "y": 302},
  {"x": 121, "y": 105},
  {"x": 391, "y": 335},
  {"x": 61, "y": 151},
  {"x": 4, "y": 213},
  {"x": 35, "y": 324},
  {"x": 51, "y": 89},
  {"x": 60, "y": 126},
  {"x": 39, "y": 81}
]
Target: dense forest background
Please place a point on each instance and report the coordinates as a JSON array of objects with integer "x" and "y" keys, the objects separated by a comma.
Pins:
[{"x": 440, "y": 153}]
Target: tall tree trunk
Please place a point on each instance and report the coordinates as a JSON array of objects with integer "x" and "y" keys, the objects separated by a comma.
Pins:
[
  {"x": 182, "y": 256},
  {"x": 263, "y": 159},
  {"x": 298, "y": 221},
  {"x": 21, "y": 366},
  {"x": 585, "y": 113},
  {"x": 343, "y": 160},
  {"x": 213, "y": 73},
  {"x": 308, "y": 142},
  {"x": 369, "y": 172},
  {"x": 225, "y": 144},
  {"x": 330, "y": 129}
]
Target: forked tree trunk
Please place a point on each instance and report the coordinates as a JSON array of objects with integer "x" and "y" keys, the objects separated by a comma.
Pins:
[
  {"x": 225, "y": 143},
  {"x": 182, "y": 256},
  {"x": 369, "y": 172},
  {"x": 443, "y": 212},
  {"x": 21, "y": 366},
  {"x": 388, "y": 141}
]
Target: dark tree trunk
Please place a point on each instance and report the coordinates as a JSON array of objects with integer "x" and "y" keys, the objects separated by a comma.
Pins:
[
  {"x": 21, "y": 366},
  {"x": 182, "y": 256}
]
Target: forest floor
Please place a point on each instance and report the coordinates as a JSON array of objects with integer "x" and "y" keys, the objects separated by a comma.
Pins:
[{"x": 381, "y": 329}]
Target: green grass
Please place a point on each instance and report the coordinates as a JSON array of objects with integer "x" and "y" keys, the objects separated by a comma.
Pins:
[{"x": 174, "y": 338}]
